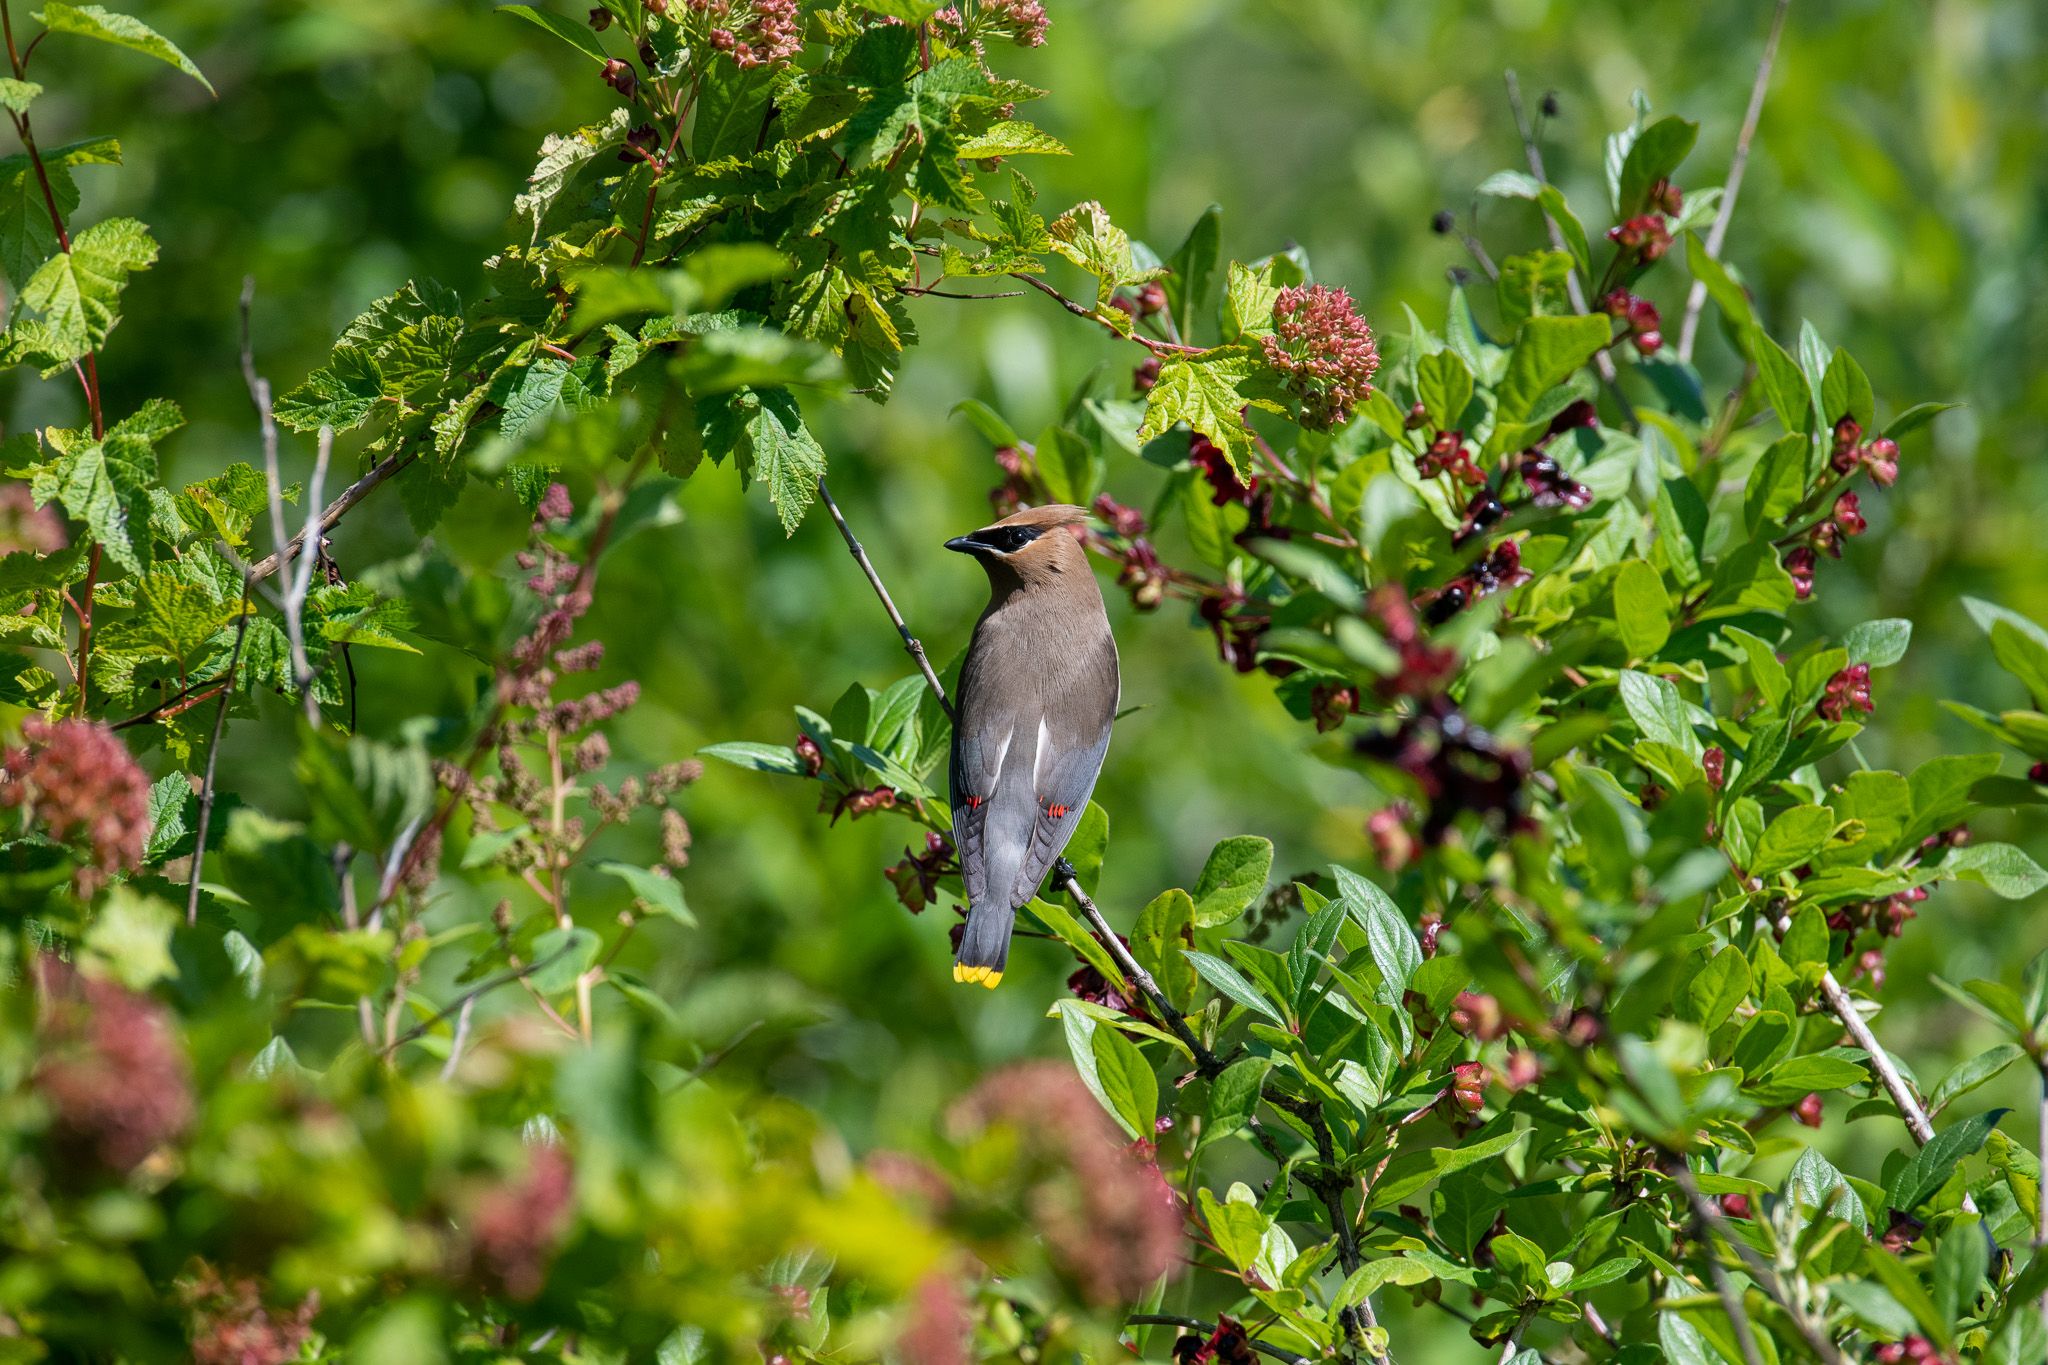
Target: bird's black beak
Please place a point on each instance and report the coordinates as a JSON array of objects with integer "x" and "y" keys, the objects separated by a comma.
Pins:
[{"x": 966, "y": 545}]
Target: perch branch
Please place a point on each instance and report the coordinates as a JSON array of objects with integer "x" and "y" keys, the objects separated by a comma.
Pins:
[
  {"x": 1697, "y": 299},
  {"x": 911, "y": 644}
]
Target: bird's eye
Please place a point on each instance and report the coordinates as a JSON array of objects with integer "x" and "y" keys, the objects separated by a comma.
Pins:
[{"x": 1008, "y": 539}]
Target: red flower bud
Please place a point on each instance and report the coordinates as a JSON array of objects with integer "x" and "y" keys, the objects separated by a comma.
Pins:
[
  {"x": 1849, "y": 515},
  {"x": 1735, "y": 1206},
  {"x": 619, "y": 76},
  {"x": 600, "y": 19},
  {"x": 1715, "y": 762},
  {"x": 1807, "y": 1111},
  {"x": 1800, "y": 563},
  {"x": 1151, "y": 298}
]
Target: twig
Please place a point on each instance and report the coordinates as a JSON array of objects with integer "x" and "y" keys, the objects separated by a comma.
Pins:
[
  {"x": 461, "y": 1037},
  {"x": 1766, "y": 1278},
  {"x": 482, "y": 988},
  {"x": 302, "y": 581},
  {"x": 1197, "y": 1325},
  {"x": 860, "y": 557},
  {"x": 1902, "y": 1096},
  {"x": 1602, "y": 361},
  {"x": 1697, "y": 299},
  {"x": 719, "y": 1053},
  {"x": 220, "y": 718},
  {"x": 339, "y": 508},
  {"x": 2041, "y": 1236},
  {"x": 1731, "y": 1304}
]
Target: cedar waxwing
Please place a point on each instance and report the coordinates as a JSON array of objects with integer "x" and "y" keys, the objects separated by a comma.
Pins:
[{"x": 1037, "y": 693}]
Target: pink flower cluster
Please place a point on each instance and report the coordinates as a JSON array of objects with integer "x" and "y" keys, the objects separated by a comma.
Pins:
[
  {"x": 1323, "y": 350},
  {"x": 758, "y": 34},
  {"x": 231, "y": 1325},
  {"x": 78, "y": 781},
  {"x": 516, "y": 1226},
  {"x": 109, "y": 1067},
  {"x": 25, "y": 526},
  {"x": 1104, "y": 1211},
  {"x": 1023, "y": 22}
]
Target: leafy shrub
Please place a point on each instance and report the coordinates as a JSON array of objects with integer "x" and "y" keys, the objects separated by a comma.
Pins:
[{"x": 381, "y": 1083}]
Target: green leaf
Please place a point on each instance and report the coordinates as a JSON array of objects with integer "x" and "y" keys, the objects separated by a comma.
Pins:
[
  {"x": 578, "y": 36},
  {"x": 1410, "y": 1171},
  {"x": 1069, "y": 465},
  {"x": 91, "y": 21},
  {"x": 341, "y": 394},
  {"x": 762, "y": 758},
  {"x": 18, "y": 95},
  {"x": 1234, "y": 1096},
  {"x": 1916, "y": 417},
  {"x": 1719, "y": 987},
  {"x": 1659, "y": 712},
  {"x": 1961, "y": 1260},
  {"x": 1129, "y": 1088},
  {"x": 1232, "y": 983},
  {"x": 1929, "y": 1168},
  {"x": 1968, "y": 1075},
  {"x": 1444, "y": 385},
  {"x": 2024, "y": 654},
  {"x": 1655, "y": 155},
  {"x": 1547, "y": 350},
  {"x": 765, "y": 432},
  {"x": 655, "y": 892},
  {"x": 1815, "y": 1184},
  {"x": 1682, "y": 1343},
  {"x": 1797, "y": 1076},
  {"x": 2008, "y": 871},
  {"x": 1642, "y": 609},
  {"x": 76, "y": 293},
  {"x": 1159, "y": 942},
  {"x": 1791, "y": 839},
  {"x": 1232, "y": 878},
  {"x": 1845, "y": 392},
  {"x": 1463, "y": 1208},
  {"x": 1782, "y": 381},
  {"x": 1201, "y": 391},
  {"x": 105, "y": 485},
  {"x": 131, "y": 937},
  {"x": 170, "y": 797},
  {"x": 1392, "y": 943},
  {"x": 565, "y": 954},
  {"x": 1085, "y": 235},
  {"x": 1191, "y": 288},
  {"x": 1878, "y": 643},
  {"x": 364, "y": 793},
  {"x": 1731, "y": 298},
  {"x": 1011, "y": 137}
]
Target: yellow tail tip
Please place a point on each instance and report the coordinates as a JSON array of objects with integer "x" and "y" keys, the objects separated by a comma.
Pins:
[{"x": 986, "y": 976}]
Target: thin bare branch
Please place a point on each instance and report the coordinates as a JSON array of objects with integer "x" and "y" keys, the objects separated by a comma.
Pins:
[
  {"x": 1696, "y": 300},
  {"x": 910, "y": 642},
  {"x": 460, "y": 1040},
  {"x": 337, "y": 509},
  {"x": 476, "y": 992},
  {"x": 1533, "y": 149},
  {"x": 220, "y": 718}
]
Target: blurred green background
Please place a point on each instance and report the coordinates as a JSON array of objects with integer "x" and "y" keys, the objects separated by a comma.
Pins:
[{"x": 1894, "y": 198}]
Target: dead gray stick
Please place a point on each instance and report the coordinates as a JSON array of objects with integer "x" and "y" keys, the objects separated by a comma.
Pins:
[
  {"x": 302, "y": 580},
  {"x": 1718, "y": 233}
]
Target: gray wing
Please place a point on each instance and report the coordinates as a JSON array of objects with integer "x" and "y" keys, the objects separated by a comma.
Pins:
[{"x": 1066, "y": 763}]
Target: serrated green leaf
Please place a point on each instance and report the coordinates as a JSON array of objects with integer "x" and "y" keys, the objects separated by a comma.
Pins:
[
  {"x": 76, "y": 293},
  {"x": 103, "y": 25}
]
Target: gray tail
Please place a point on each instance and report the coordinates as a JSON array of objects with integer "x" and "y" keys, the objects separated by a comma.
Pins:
[{"x": 984, "y": 945}]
